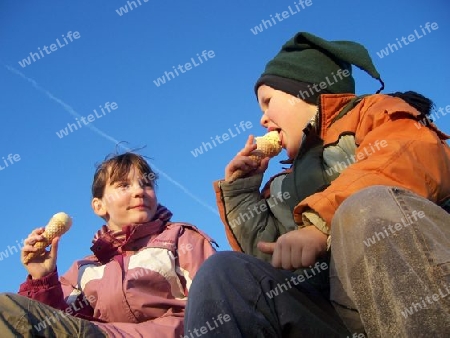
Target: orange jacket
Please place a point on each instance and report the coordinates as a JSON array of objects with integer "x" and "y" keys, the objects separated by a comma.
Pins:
[{"x": 393, "y": 149}]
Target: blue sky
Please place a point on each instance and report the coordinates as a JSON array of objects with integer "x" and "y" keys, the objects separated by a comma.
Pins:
[{"x": 118, "y": 58}]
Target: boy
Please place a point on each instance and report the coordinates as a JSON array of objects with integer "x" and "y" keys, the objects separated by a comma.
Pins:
[
  {"x": 134, "y": 285},
  {"x": 366, "y": 186}
]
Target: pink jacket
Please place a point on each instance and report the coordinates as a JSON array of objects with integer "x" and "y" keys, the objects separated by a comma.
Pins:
[{"x": 136, "y": 284}]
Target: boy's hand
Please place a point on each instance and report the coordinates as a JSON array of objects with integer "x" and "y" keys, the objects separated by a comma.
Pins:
[
  {"x": 297, "y": 248},
  {"x": 44, "y": 264},
  {"x": 243, "y": 162}
]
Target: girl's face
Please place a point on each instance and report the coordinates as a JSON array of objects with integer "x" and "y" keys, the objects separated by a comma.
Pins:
[
  {"x": 286, "y": 114},
  {"x": 128, "y": 201}
]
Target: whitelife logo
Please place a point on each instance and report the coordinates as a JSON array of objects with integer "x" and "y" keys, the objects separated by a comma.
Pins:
[
  {"x": 187, "y": 66},
  {"x": 411, "y": 38},
  {"x": 11, "y": 159},
  {"x": 281, "y": 16},
  {"x": 12, "y": 250},
  {"x": 318, "y": 87},
  {"x": 71, "y": 127},
  {"x": 124, "y": 9},
  {"x": 53, "y": 47},
  {"x": 362, "y": 154},
  {"x": 225, "y": 137},
  {"x": 393, "y": 228}
]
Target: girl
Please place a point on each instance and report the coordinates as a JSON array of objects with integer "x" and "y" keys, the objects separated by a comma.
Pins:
[{"x": 135, "y": 284}]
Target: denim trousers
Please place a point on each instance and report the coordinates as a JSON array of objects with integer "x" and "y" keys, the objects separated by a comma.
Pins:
[
  {"x": 24, "y": 317},
  {"x": 389, "y": 276}
]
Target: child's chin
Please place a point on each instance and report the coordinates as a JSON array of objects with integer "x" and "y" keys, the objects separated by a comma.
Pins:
[
  {"x": 292, "y": 153},
  {"x": 142, "y": 220}
]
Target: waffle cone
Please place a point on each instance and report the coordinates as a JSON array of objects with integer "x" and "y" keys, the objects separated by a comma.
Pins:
[
  {"x": 58, "y": 225},
  {"x": 267, "y": 146}
]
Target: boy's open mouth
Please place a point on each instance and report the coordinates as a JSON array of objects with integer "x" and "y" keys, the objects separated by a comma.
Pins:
[{"x": 280, "y": 134}]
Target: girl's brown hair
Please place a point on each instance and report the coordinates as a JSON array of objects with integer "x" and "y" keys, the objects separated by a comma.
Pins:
[{"x": 116, "y": 167}]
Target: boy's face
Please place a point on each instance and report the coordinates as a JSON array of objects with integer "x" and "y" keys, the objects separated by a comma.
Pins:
[
  {"x": 287, "y": 118},
  {"x": 129, "y": 201}
]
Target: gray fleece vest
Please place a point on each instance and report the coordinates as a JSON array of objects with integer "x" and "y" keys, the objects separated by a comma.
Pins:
[{"x": 315, "y": 167}]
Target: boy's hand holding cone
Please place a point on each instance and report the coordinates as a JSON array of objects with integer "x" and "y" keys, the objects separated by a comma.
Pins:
[{"x": 254, "y": 156}]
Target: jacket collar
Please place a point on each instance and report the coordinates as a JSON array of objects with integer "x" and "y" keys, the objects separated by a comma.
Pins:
[
  {"x": 108, "y": 243},
  {"x": 329, "y": 107}
]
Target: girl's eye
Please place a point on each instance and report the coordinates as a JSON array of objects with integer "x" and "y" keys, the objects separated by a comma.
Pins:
[
  {"x": 123, "y": 185},
  {"x": 145, "y": 182}
]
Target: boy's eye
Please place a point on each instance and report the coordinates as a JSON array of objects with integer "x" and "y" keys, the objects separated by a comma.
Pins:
[{"x": 265, "y": 103}]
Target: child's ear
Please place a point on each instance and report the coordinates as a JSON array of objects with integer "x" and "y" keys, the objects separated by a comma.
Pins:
[{"x": 98, "y": 207}]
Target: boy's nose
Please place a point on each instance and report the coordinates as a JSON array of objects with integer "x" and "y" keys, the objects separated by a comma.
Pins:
[{"x": 264, "y": 121}]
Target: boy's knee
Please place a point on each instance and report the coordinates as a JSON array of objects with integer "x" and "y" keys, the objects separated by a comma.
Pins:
[
  {"x": 215, "y": 265},
  {"x": 362, "y": 208},
  {"x": 366, "y": 201},
  {"x": 360, "y": 214}
]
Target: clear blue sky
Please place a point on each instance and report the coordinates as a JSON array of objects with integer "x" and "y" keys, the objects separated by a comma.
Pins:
[{"x": 117, "y": 58}]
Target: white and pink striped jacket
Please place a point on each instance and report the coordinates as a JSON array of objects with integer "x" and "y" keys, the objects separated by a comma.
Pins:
[{"x": 137, "y": 282}]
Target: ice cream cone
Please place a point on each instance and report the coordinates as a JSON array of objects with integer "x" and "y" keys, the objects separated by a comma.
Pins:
[
  {"x": 57, "y": 226},
  {"x": 267, "y": 146}
]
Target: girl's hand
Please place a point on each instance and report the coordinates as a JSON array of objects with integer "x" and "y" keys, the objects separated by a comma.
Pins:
[
  {"x": 41, "y": 265},
  {"x": 243, "y": 162},
  {"x": 297, "y": 248}
]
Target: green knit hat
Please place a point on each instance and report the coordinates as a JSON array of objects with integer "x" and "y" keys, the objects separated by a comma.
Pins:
[{"x": 311, "y": 64}]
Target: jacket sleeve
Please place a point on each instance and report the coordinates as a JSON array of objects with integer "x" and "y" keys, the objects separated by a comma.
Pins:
[
  {"x": 59, "y": 294},
  {"x": 394, "y": 150},
  {"x": 247, "y": 216},
  {"x": 193, "y": 249}
]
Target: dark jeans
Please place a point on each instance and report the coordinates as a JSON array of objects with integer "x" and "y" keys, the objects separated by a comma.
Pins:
[
  {"x": 396, "y": 285},
  {"x": 253, "y": 299},
  {"x": 24, "y": 317}
]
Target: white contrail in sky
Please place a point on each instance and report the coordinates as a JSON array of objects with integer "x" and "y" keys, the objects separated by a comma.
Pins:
[{"x": 72, "y": 112}]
